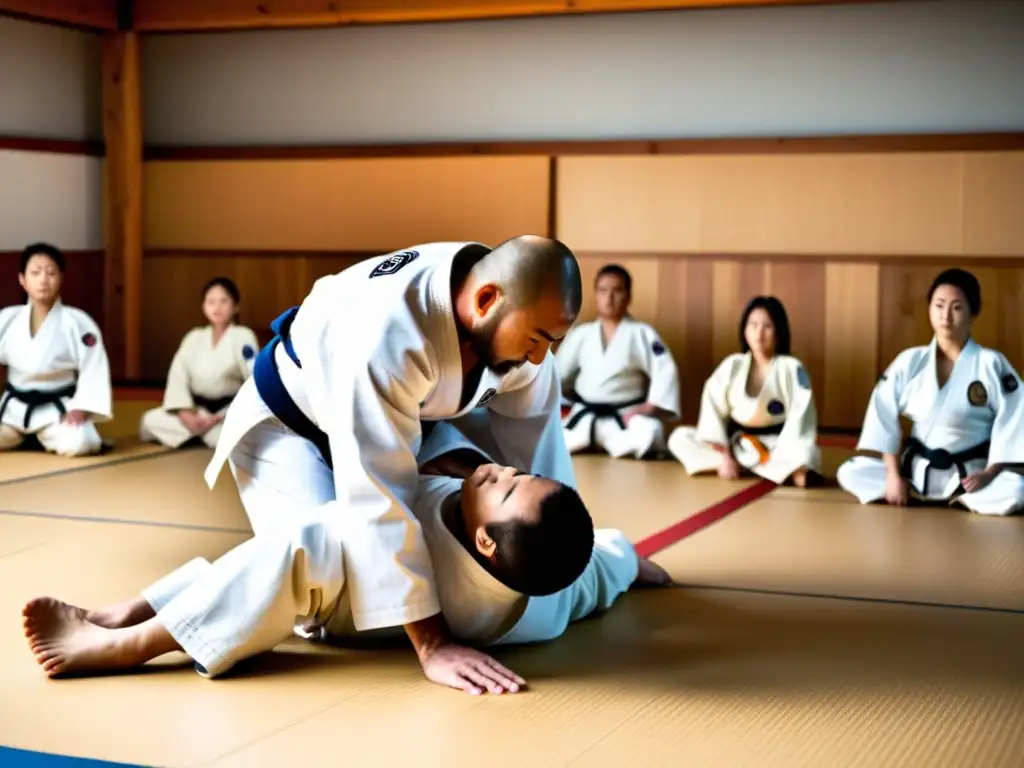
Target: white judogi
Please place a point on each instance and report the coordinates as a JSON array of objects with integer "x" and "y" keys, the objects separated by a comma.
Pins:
[
  {"x": 204, "y": 376},
  {"x": 982, "y": 401},
  {"x": 249, "y": 600},
  {"x": 64, "y": 366},
  {"x": 635, "y": 367},
  {"x": 785, "y": 406},
  {"x": 379, "y": 352}
]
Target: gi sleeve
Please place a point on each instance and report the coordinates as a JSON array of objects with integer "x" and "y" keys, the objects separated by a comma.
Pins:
[
  {"x": 248, "y": 347},
  {"x": 526, "y": 422},
  {"x": 178, "y": 393},
  {"x": 612, "y": 569},
  {"x": 365, "y": 391},
  {"x": 663, "y": 374},
  {"x": 881, "y": 432},
  {"x": 568, "y": 360},
  {"x": 800, "y": 429},
  {"x": 93, "y": 393},
  {"x": 714, "y": 403},
  {"x": 1007, "y": 440}
]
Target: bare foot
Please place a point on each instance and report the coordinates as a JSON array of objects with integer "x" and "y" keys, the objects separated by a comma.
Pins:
[
  {"x": 800, "y": 478},
  {"x": 126, "y": 614},
  {"x": 63, "y": 640}
]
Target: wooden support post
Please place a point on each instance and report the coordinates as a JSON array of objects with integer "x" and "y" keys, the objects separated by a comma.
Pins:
[{"x": 122, "y": 129}]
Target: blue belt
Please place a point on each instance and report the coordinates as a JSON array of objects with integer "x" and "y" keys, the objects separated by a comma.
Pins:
[{"x": 275, "y": 395}]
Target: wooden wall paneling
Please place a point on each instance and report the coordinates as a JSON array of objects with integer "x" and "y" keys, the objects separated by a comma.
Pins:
[
  {"x": 1010, "y": 310},
  {"x": 343, "y": 205},
  {"x": 993, "y": 188},
  {"x": 122, "y": 130},
  {"x": 851, "y": 352},
  {"x": 697, "y": 360},
  {"x": 194, "y": 15},
  {"x": 670, "y": 318},
  {"x": 801, "y": 287},
  {"x": 83, "y": 281},
  {"x": 85, "y": 14},
  {"x": 725, "y": 309},
  {"x": 902, "y": 309},
  {"x": 172, "y": 288}
]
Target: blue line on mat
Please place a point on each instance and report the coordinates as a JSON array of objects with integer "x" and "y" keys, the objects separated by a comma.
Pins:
[{"x": 23, "y": 758}]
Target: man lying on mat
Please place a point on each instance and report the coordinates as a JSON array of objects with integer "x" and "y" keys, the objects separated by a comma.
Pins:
[{"x": 515, "y": 555}]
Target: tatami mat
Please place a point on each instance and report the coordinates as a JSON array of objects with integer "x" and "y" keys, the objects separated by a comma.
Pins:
[
  {"x": 16, "y": 466},
  {"x": 827, "y": 543},
  {"x": 705, "y": 677}
]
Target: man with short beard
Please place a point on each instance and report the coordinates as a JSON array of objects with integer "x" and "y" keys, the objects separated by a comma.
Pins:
[{"x": 330, "y": 423}]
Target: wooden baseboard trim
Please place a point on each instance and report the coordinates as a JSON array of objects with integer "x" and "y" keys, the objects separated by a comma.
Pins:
[{"x": 53, "y": 146}]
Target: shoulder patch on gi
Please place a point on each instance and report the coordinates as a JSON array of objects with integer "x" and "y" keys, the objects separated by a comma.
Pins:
[
  {"x": 1010, "y": 383},
  {"x": 394, "y": 262},
  {"x": 802, "y": 378},
  {"x": 89, "y": 340},
  {"x": 775, "y": 407},
  {"x": 248, "y": 353},
  {"x": 976, "y": 394},
  {"x": 658, "y": 348},
  {"x": 488, "y": 396}
]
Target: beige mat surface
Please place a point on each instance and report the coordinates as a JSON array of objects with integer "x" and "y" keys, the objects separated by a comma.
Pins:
[
  {"x": 24, "y": 464},
  {"x": 822, "y": 542},
  {"x": 720, "y": 678}
]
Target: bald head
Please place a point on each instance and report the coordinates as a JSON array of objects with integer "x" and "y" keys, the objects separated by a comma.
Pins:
[
  {"x": 530, "y": 268},
  {"x": 518, "y": 299}
]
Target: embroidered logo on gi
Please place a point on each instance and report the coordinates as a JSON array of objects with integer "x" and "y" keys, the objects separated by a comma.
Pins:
[
  {"x": 393, "y": 263},
  {"x": 89, "y": 340},
  {"x": 658, "y": 348},
  {"x": 1010, "y": 383},
  {"x": 775, "y": 407},
  {"x": 248, "y": 353},
  {"x": 976, "y": 394},
  {"x": 802, "y": 378},
  {"x": 488, "y": 396}
]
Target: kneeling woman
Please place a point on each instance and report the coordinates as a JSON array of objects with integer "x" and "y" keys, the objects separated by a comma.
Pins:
[
  {"x": 967, "y": 409},
  {"x": 757, "y": 410},
  {"x": 206, "y": 373},
  {"x": 58, "y": 375}
]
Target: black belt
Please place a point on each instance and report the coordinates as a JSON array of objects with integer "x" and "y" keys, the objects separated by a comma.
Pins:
[
  {"x": 273, "y": 392},
  {"x": 34, "y": 398},
  {"x": 940, "y": 459},
  {"x": 600, "y": 411},
  {"x": 213, "y": 406},
  {"x": 735, "y": 431}
]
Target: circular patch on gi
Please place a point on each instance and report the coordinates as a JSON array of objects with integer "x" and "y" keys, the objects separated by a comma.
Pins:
[
  {"x": 248, "y": 353},
  {"x": 391, "y": 264},
  {"x": 488, "y": 396},
  {"x": 802, "y": 378},
  {"x": 658, "y": 348},
  {"x": 976, "y": 394},
  {"x": 89, "y": 340},
  {"x": 1010, "y": 383},
  {"x": 775, "y": 407}
]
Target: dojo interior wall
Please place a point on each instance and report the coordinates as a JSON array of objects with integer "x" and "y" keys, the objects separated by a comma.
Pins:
[
  {"x": 848, "y": 239},
  {"x": 51, "y": 167}
]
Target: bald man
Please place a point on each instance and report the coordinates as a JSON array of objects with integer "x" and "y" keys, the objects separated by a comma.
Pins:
[{"x": 330, "y": 423}]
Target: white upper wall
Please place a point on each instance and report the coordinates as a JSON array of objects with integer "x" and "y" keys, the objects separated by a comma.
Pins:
[
  {"x": 50, "y": 82},
  {"x": 911, "y": 67}
]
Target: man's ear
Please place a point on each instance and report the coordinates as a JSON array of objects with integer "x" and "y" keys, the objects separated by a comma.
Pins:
[
  {"x": 485, "y": 298},
  {"x": 485, "y": 545}
]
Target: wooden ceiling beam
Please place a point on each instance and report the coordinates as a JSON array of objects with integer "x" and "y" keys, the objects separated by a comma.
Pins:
[
  {"x": 81, "y": 14},
  {"x": 197, "y": 15}
]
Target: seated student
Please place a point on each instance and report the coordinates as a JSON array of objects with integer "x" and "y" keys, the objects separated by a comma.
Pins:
[
  {"x": 58, "y": 376},
  {"x": 967, "y": 409},
  {"x": 206, "y": 373},
  {"x": 516, "y": 560},
  {"x": 757, "y": 410},
  {"x": 618, "y": 376}
]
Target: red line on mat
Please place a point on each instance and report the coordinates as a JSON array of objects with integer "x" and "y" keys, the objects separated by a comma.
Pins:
[{"x": 690, "y": 525}]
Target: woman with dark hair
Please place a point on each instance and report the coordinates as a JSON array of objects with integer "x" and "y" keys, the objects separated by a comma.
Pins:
[
  {"x": 757, "y": 409},
  {"x": 967, "y": 409},
  {"x": 58, "y": 375},
  {"x": 206, "y": 373}
]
